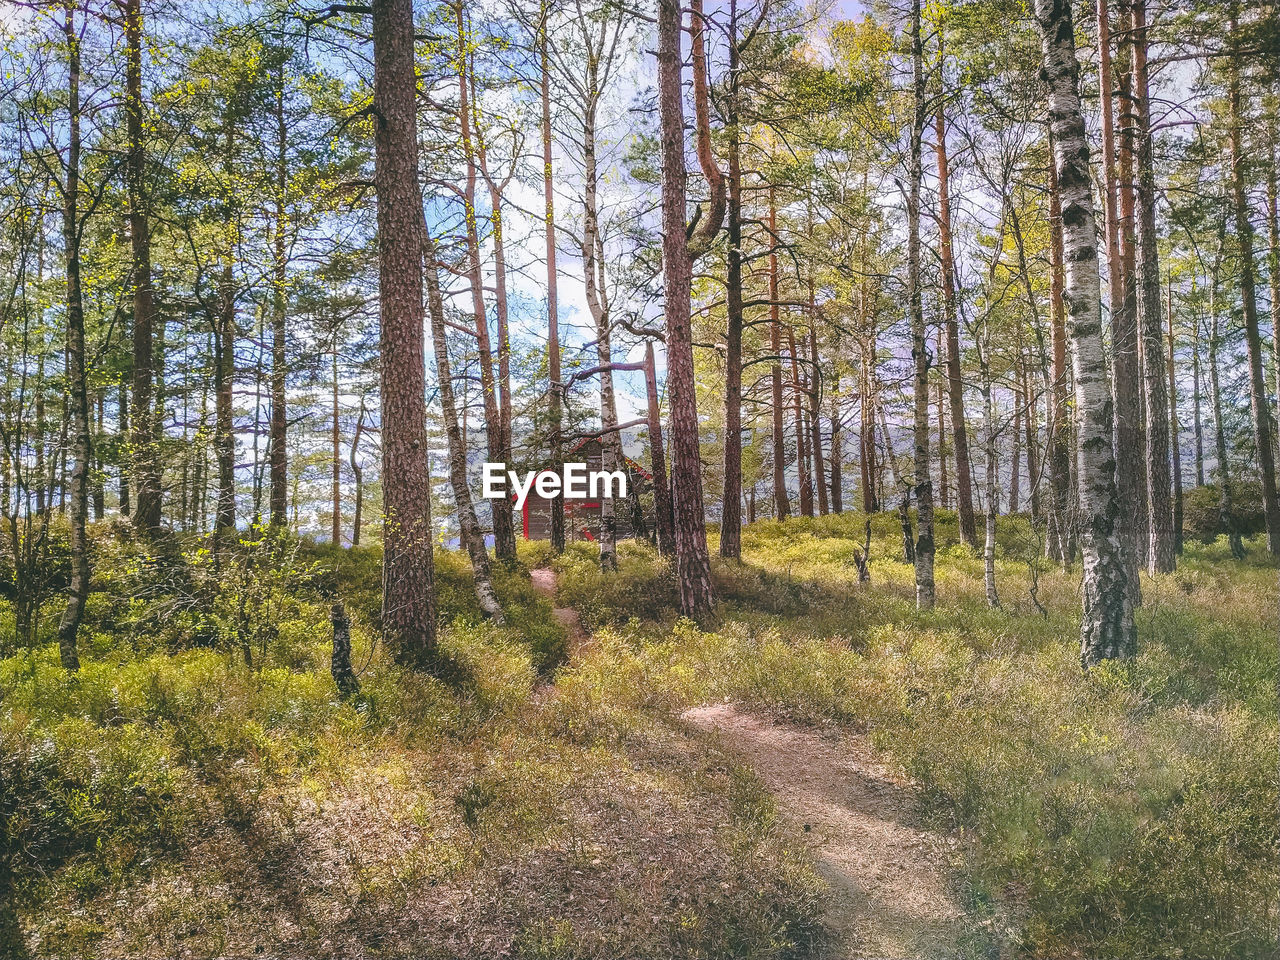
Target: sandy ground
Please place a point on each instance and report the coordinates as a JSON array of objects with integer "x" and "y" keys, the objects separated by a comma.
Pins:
[{"x": 890, "y": 895}]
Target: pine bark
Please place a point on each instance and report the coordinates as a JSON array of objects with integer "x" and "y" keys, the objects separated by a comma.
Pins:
[
  {"x": 503, "y": 523},
  {"x": 1162, "y": 547},
  {"x": 1107, "y": 627},
  {"x": 1249, "y": 303},
  {"x": 781, "y": 506},
  {"x": 408, "y": 601},
  {"x": 954, "y": 379},
  {"x": 77, "y": 391},
  {"x": 693, "y": 566},
  {"x": 144, "y": 448},
  {"x": 278, "y": 497},
  {"x": 661, "y": 484},
  {"x": 1126, "y": 371},
  {"x": 731, "y": 511}
]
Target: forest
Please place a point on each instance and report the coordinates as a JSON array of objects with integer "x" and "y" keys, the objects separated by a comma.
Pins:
[{"x": 648, "y": 479}]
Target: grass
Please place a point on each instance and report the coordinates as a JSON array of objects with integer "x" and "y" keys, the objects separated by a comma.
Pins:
[
  {"x": 169, "y": 798},
  {"x": 1127, "y": 813}
]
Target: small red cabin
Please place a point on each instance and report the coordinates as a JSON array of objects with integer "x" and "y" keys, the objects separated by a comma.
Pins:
[{"x": 582, "y": 517}]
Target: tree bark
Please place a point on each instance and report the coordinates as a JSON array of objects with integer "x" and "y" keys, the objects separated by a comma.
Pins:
[
  {"x": 781, "y": 506},
  {"x": 145, "y": 454},
  {"x": 408, "y": 600},
  {"x": 921, "y": 480},
  {"x": 1248, "y": 300},
  {"x": 1107, "y": 627},
  {"x": 1174, "y": 434},
  {"x": 505, "y": 550},
  {"x": 278, "y": 497},
  {"x": 1129, "y": 444},
  {"x": 693, "y": 567},
  {"x": 469, "y": 525},
  {"x": 1162, "y": 548},
  {"x": 802, "y": 446},
  {"x": 815, "y": 414},
  {"x": 503, "y": 523},
  {"x": 731, "y": 511},
  {"x": 661, "y": 484},
  {"x": 955, "y": 383},
  {"x": 555, "y": 386},
  {"x": 77, "y": 386},
  {"x": 1061, "y": 540}
]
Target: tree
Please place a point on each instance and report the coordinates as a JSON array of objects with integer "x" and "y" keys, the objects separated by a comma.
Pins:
[
  {"x": 408, "y": 601},
  {"x": 1107, "y": 629},
  {"x": 693, "y": 566}
]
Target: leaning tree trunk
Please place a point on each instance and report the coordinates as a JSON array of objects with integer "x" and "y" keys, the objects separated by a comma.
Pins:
[
  {"x": 1107, "y": 628},
  {"x": 1161, "y": 551},
  {"x": 472, "y": 535},
  {"x": 693, "y": 566},
  {"x": 408, "y": 595},
  {"x": 922, "y": 481},
  {"x": 77, "y": 387}
]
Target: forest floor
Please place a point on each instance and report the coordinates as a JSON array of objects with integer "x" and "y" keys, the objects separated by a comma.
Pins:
[
  {"x": 611, "y": 781},
  {"x": 890, "y": 884}
]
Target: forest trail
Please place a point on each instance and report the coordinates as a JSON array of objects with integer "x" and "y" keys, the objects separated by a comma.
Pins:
[
  {"x": 890, "y": 896},
  {"x": 544, "y": 581}
]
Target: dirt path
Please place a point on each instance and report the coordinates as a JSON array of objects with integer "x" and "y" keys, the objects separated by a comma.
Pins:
[
  {"x": 544, "y": 581},
  {"x": 889, "y": 889}
]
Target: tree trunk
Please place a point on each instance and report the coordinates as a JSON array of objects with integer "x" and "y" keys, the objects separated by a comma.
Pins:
[
  {"x": 815, "y": 416},
  {"x": 1248, "y": 299},
  {"x": 731, "y": 511},
  {"x": 224, "y": 441},
  {"x": 593, "y": 271},
  {"x": 357, "y": 470},
  {"x": 991, "y": 494},
  {"x": 503, "y": 524},
  {"x": 278, "y": 498},
  {"x": 1226, "y": 510},
  {"x": 340, "y": 662},
  {"x": 145, "y": 456},
  {"x": 837, "y": 453},
  {"x": 955, "y": 383},
  {"x": 77, "y": 385},
  {"x": 1197, "y": 385},
  {"x": 921, "y": 480},
  {"x": 1161, "y": 552},
  {"x": 1061, "y": 541},
  {"x": 1273, "y": 259},
  {"x": 469, "y": 526},
  {"x": 336, "y": 532},
  {"x": 1107, "y": 628},
  {"x": 408, "y": 599},
  {"x": 1129, "y": 444},
  {"x": 781, "y": 507},
  {"x": 693, "y": 567},
  {"x": 555, "y": 386},
  {"x": 661, "y": 485},
  {"x": 504, "y": 549},
  {"x": 802, "y": 447},
  {"x": 1174, "y": 434}
]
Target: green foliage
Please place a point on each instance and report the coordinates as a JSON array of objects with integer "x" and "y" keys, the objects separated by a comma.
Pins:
[{"x": 1129, "y": 812}]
